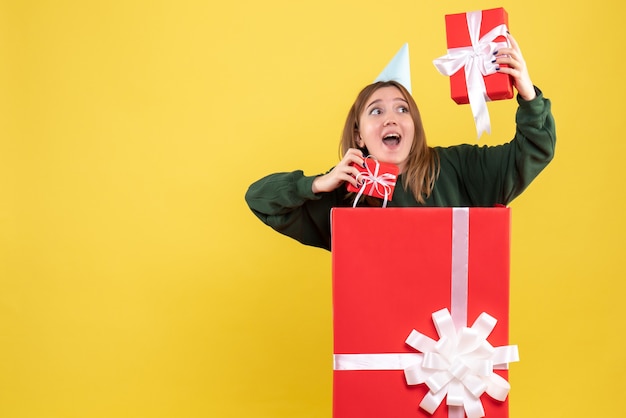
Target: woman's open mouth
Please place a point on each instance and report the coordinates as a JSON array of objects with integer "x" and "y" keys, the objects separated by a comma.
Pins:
[{"x": 391, "y": 140}]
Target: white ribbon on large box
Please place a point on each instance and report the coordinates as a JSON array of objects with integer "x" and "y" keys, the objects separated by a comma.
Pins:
[
  {"x": 460, "y": 365},
  {"x": 476, "y": 59}
]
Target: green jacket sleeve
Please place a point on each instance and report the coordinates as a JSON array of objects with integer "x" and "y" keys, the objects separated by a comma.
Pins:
[
  {"x": 535, "y": 142},
  {"x": 498, "y": 174},
  {"x": 286, "y": 202}
]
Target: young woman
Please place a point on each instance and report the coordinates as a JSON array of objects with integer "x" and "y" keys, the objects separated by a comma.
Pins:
[{"x": 384, "y": 122}]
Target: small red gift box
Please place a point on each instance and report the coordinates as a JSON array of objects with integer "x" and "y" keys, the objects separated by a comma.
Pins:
[
  {"x": 392, "y": 270},
  {"x": 377, "y": 179},
  {"x": 499, "y": 86}
]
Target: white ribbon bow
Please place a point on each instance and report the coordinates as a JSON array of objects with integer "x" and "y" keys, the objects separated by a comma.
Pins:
[
  {"x": 460, "y": 365},
  {"x": 377, "y": 182},
  {"x": 476, "y": 59}
]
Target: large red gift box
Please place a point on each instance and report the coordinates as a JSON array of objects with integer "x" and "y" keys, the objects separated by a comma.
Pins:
[
  {"x": 392, "y": 270},
  {"x": 499, "y": 86}
]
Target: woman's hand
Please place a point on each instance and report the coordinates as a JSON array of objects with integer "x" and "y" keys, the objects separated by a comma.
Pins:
[
  {"x": 343, "y": 172},
  {"x": 516, "y": 68}
]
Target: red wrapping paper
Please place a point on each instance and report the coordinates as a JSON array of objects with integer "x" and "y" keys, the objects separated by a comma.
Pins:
[
  {"x": 391, "y": 271},
  {"x": 499, "y": 86},
  {"x": 387, "y": 172}
]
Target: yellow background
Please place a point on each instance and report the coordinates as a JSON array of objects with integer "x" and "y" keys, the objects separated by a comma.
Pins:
[{"x": 134, "y": 280}]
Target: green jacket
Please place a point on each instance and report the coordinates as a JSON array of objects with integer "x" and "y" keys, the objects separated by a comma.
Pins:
[{"x": 470, "y": 175}]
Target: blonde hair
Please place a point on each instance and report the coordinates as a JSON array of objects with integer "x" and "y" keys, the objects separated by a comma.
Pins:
[{"x": 422, "y": 168}]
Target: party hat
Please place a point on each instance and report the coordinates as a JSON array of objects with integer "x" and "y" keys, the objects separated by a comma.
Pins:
[{"x": 398, "y": 69}]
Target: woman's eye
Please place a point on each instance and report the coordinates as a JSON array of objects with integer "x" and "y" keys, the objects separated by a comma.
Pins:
[
  {"x": 375, "y": 112},
  {"x": 403, "y": 109}
]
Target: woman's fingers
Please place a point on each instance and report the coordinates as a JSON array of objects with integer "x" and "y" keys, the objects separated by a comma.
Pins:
[
  {"x": 353, "y": 155},
  {"x": 512, "y": 62},
  {"x": 343, "y": 172},
  {"x": 514, "y": 43}
]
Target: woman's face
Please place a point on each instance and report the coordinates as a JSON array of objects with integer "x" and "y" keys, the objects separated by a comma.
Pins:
[{"x": 386, "y": 127}]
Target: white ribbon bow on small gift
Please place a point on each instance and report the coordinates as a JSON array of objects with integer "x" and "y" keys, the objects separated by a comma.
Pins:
[
  {"x": 382, "y": 183},
  {"x": 477, "y": 61}
]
